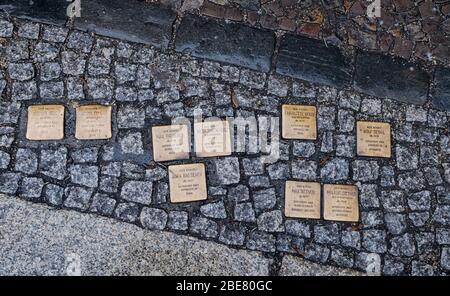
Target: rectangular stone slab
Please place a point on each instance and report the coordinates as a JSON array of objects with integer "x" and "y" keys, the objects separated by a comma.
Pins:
[
  {"x": 93, "y": 122},
  {"x": 441, "y": 92},
  {"x": 340, "y": 203},
  {"x": 187, "y": 182},
  {"x": 45, "y": 122},
  {"x": 45, "y": 11},
  {"x": 373, "y": 139},
  {"x": 302, "y": 200},
  {"x": 170, "y": 142},
  {"x": 130, "y": 20},
  {"x": 299, "y": 122},
  {"x": 393, "y": 78},
  {"x": 225, "y": 42},
  {"x": 212, "y": 138},
  {"x": 313, "y": 61}
]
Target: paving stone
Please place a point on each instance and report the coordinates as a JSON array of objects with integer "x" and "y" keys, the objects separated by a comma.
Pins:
[
  {"x": 441, "y": 91},
  {"x": 5, "y": 159},
  {"x": 57, "y": 34},
  {"x": 73, "y": 63},
  {"x": 406, "y": 158},
  {"x": 99, "y": 65},
  {"x": 51, "y": 90},
  {"x": 443, "y": 236},
  {"x": 271, "y": 221},
  {"x": 244, "y": 212},
  {"x": 317, "y": 253},
  {"x": 21, "y": 71},
  {"x": 214, "y": 210},
  {"x": 75, "y": 90},
  {"x": 303, "y": 149},
  {"x": 127, "y": 211},
  {"x": 327, "y": 234},
  {"x": 100, "y": 88},
  {"x": 227, "y": 170},
  {"x": 393, "y": 78},
  {"x": 77, "y": 197},
  {"x": 18, "y": 50},
  {"x": 346, "y": 121},
  {"x": 24, "y": 91},
  {"x": 313, "y": 61},
  {"x": 393, "y": 267},
  {"x": 421, "y": 269},
  {"x": 133, "y": 21},
  {"x": 53, "y": 11},
  {"x": 225, "y": 42},
  {"x": 204, "y": 227},
  {"x": 416, "y": 114},
  {"x": 45, "y": 52},
  {"x": 393, "y": 201},
  {"x": 162, "y": 193},
  {"x": 109, "y": 184},
  {"x": 429, "y": 155},
  {"x": 253, "y": 166},
  {"x": 368, "y": 196},
  {"x": 31, "y": 187},
  {"x": 112, "y": 169},
  {"x": 50, "y": 71},
  {"x": 155, "y": 219},
  {"x": 259, "y": 182},
  {"x": 232, "y": 235},
  {"x": 9, "y": 183},
  {"x": 419, "y": 219},
  {"x": 442, "y": 215},
  {"x": 411, "y": 181},
  {"x": 403, "y": 245},
  {"x": 374, "y": 241},
  {"x": 6, "y": 28},
  {"x": 264, "y": 199},
  {"x": 84, "y": 175},
  {"x": 304, "y": 170},
  {"x": 80, "y": 41},
  {"x": 130, "y": 117},
  {"x": 335, "y": 170},
  {"x": 445, "y": 258},
  {"x": 298, "y": 228},
  {"x": 387, "y": 176},
  {"x": 53, "y": 163},
  {"x": 279, "y": 171},
  {"x": 326, "y": 118},
  {"x": 395, "y": 223},
  {"x": 84, "y": 155},
  {"x": 420, "y": 201},
  {"x": 102, "y": 204},
  {"x": 342, "y": 258},
  {"x": 26, "y": 161},
  {"x": 29, "y": 30},
  {"x": 54, "y": 194},
  {"x": 131, "y": 143},
  {"x": 365, "y": 170},
  {"x": 137, "y": 191},
  {"x": 9, "y": 112},
  {"x": 351, "y": 239},
  {"x": 178, "y": 220},
  {"x": 277, "y": 86},
  {"x": 261, "y": 241}
]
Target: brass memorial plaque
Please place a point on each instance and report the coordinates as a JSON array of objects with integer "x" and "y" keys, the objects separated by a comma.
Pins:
[
  {"x": 187, "y": 182},
  {"x": 212, "y": 138},
  {"x": 302, "y": 200},
  {"x": 170, "y": 142},
  {"x": 374, "y": 139},
  {"x": 93, "y": 122},
  {"x": 341, "y": 203},
  {"x": 45, "y": 122},
  {"x": 299, "y": 122}
]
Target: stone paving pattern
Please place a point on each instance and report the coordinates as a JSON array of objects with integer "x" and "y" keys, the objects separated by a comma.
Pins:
[
  {"x": 405, "y": 200},
  {"x": 416, "y": 30}
]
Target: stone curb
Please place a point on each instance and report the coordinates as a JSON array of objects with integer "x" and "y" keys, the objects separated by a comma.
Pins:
[
  {"x": 234, "y": 43},
  {"x": 45, "y": 243}
]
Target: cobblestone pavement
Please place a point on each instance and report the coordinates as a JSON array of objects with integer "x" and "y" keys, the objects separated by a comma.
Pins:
[
  {"x": 404, "y": 200},
  {"x": 416, "y": 30}
]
